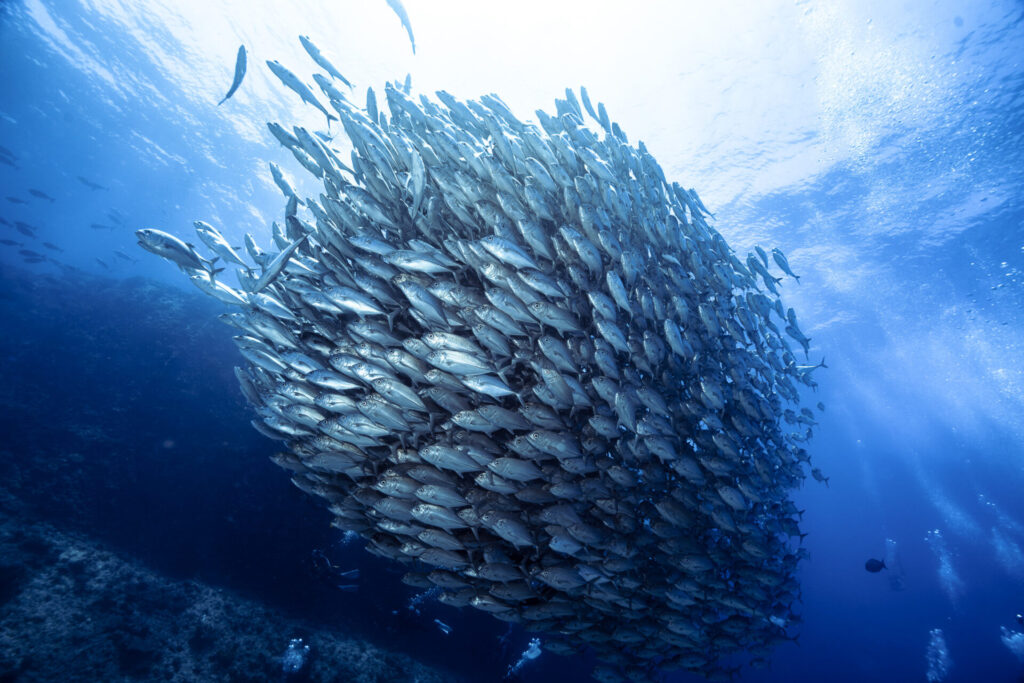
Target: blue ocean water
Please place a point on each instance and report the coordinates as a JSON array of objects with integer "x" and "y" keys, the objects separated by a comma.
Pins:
[{"x": 878, "y": 146}]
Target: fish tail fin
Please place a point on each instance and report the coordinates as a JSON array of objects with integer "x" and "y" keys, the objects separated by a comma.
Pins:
[
  {"x": 208, "y": 266},
  {"x": 797, "y": 277}
]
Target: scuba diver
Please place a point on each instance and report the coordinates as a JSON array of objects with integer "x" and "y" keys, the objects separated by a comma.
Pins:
[
  {"x": 875, "y": 566},
  {"x": 324, "y": 569}
]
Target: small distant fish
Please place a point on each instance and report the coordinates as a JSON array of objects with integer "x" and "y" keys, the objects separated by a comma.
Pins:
[
  {"x": 31, "y": 254},
  {"x": 103, "y": 263},
  {"x": 16, "y": 200},
  {"x": 121, "y": 255},
  {"x": 41, "y": 195},
  {"x": 239, "y": 74},
  {"x": 101, "y": 226},
  {"x": 52, "y": 246},
  {"x": 90, "y": 184},
  {"x": 399, "y": 9},
  {"x": 444, "y": 628},
  {"x": 874, "y": 566},
  {"x": 4, "y": 221},
  {"x": 4, "y": 152},
  {"x": 8, "y": 161},
  {"x": 116, "y": 216},
  {"x": 25, "y": 228},
  {"x": 11, "y": 243}
]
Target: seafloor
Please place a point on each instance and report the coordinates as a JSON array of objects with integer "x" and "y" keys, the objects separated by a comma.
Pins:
[{"x": 71, "y": 610}]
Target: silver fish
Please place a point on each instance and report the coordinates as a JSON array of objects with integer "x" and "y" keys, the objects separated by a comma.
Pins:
[
  {"x": 240, "y": 62},
  {"x": 321, "y": 61}
]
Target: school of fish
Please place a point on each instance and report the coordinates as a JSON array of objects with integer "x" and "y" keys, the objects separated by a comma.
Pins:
[{"x": 516, "y": 358}]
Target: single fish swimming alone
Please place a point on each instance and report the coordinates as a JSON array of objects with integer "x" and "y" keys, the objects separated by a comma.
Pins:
[
  {"x": 399, "y": 9},
  {"x": 874, "y": 566},
  {"x": 41, "y": 195},
  {"x": 239, "y": 74},
  {"x": 25, "y": 228},
  {"x": 90, "y": 184}
]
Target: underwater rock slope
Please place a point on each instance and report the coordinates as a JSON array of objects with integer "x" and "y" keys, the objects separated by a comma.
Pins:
[
  {"x": 518, "y": 359},
  {"x": 72, "y": 610}
]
